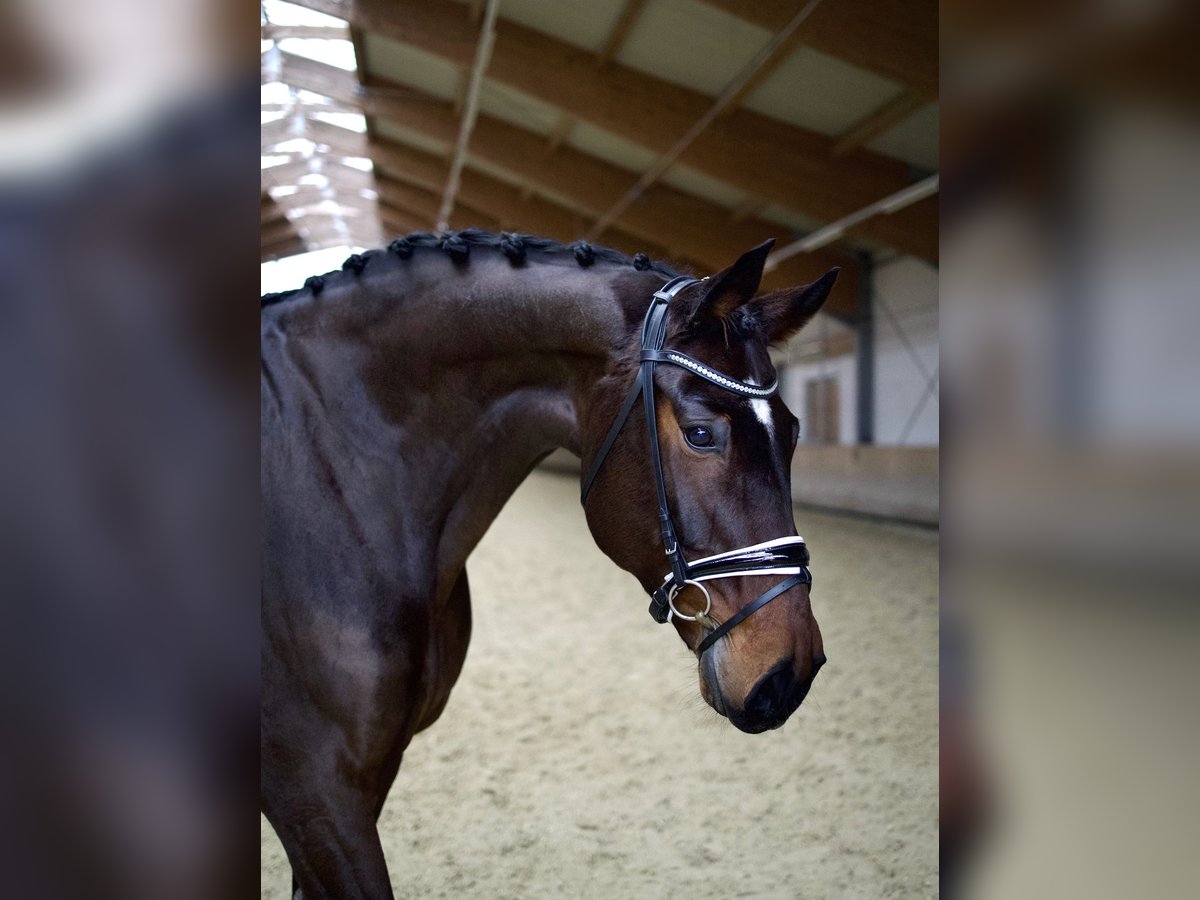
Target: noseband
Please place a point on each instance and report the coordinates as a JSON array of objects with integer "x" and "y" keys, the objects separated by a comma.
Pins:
[{"x": 781, "y": 556}]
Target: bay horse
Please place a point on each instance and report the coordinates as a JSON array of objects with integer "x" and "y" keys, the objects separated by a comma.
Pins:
[{"x": 407, "y": 396}]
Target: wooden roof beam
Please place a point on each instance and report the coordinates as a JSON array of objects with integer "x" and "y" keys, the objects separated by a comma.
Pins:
[
  {"x": 341, "y": 142},
  {"x": 891, "y": 113},
  {"x": 324, "y": 32},
  {"x": 765, "y": 71},
  {"x": 693, "y": 228},
  {"x": 562, "y": 130},
  {"x": 421, "y": 205},
  {"x": 760, "y": 155},
  {"x": 897, "y": 39},
  {"x": 320, "y": 78},
  {"x": 340, "y": 175},
  {"x": 329, "y": 7},
  {"x": 270, "y": 212},
  {"x": 397, "y": 222},
  {"x": 620, "y": 31},
  {"x": 503, "y": 201},
  {"x": 319, "y": 226},
  {"x": 275, "y": 232},
  {"x": 748, "y": 208},
  {"x": 282, "y": 249}
]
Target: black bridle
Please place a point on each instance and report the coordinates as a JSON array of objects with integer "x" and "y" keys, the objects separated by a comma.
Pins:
[{"x": 782, "y": 556}]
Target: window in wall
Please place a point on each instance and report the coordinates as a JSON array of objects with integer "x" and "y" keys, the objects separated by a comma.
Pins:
[{"x": 821, "y": 405}]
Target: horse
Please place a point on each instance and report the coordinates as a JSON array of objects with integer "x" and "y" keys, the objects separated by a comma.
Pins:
[{"x": 406, "y": 396}]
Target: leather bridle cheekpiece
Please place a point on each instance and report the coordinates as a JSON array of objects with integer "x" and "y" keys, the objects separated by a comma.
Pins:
[{"x": 781, "y": 556}]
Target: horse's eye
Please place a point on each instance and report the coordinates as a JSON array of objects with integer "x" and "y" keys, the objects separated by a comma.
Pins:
[{"x": 699, "y": 436}]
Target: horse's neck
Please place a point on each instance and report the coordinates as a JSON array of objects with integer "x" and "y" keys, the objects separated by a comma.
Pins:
[{"x": 464, "y": 379}]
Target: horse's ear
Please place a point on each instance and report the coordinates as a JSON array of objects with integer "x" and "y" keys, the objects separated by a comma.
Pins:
[
  {"x": 784, "y": 312},
  {"x": 732, "y": 287}
]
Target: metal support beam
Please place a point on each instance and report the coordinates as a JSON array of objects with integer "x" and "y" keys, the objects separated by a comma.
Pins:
[{"x": 865, "y": 358}]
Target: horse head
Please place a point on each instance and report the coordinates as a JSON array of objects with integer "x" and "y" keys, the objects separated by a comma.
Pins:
[{"x": 725, "y": 446}]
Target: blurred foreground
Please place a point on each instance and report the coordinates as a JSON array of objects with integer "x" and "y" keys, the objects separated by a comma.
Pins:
[
  {"x": 128, "y": 558},
  {"x": 1071, "y": 502}
]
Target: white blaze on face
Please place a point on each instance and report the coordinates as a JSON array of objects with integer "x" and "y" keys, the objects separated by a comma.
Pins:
[{"x": 762, "y": 411}]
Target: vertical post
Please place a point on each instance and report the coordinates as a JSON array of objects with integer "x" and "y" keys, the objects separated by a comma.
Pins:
[
  {"x": 865, "y": 356},
  {"x": 1071, "y": 316}
]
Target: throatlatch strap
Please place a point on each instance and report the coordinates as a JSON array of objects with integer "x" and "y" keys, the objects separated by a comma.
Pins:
[
  {"x": 613, "y": 434},
  {"x": 653, "y": 334},
  {"x": 749, "y": 609}
]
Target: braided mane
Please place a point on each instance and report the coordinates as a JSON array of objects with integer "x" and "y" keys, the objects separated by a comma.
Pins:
[{"x": 519, "y": 249}]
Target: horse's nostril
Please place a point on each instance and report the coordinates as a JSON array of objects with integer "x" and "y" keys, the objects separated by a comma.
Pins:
[
  {"x": 817, "y": 662},
  {"x": 772, "y": 691}
]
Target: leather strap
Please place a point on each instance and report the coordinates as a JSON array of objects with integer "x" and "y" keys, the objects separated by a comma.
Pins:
[
  {"x": 653, "y": 337},
  {"x": 750, "y": 608},
  {"x": 613, "y": 434}
]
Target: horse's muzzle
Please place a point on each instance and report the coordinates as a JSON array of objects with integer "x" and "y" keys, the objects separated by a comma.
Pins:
[{"x": 774, "y": 698}]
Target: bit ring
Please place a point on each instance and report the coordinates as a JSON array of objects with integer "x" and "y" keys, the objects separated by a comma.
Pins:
[{"x": 676, "y": 613}]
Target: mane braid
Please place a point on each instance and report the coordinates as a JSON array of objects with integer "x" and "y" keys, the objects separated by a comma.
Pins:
[{"x": 518, "y": 249}]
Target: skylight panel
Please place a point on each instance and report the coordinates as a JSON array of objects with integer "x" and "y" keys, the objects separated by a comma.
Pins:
[
  {"x": 330, "y": 52},
  {"x": 281, "y": 13}
]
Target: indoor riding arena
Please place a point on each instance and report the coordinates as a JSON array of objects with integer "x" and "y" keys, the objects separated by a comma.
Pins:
[{"x": 576, "y": 756}]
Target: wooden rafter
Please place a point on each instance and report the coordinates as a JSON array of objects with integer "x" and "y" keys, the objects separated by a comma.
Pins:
[
  {"x": 340, "y": 10},
  {"x": 753, "y": 152},
  {"x": 421, "y": 205},
  {"x": 747, "y": 209},
  {"x": 269, "y": 211},
  {"x": 333, "y": 106},
  {"x": 897, "y": 39},
  {"x": 396, "y": 222},
  {"x": 326, "y": 32},
  {"x": 502, "y": 201},
  {"x": 341, "y": 140},
  {"x": 353, "y": 207},
  {"x": 562, "y": 130},
  {"x": 281, "y": 250},
  {"x": 620, "y": 31},
  {"x": 339, "y": 174},
  {"x": 275, "y": 232},
  {"x": 320, "y": 78},
  {"x": 891, "y": 113},
  {"x": 782, "y": 53},
  {"x": 691, "y": 227}
]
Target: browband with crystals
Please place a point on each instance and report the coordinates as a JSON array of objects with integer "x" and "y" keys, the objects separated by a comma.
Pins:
[{"x": 696, "y": 367}]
